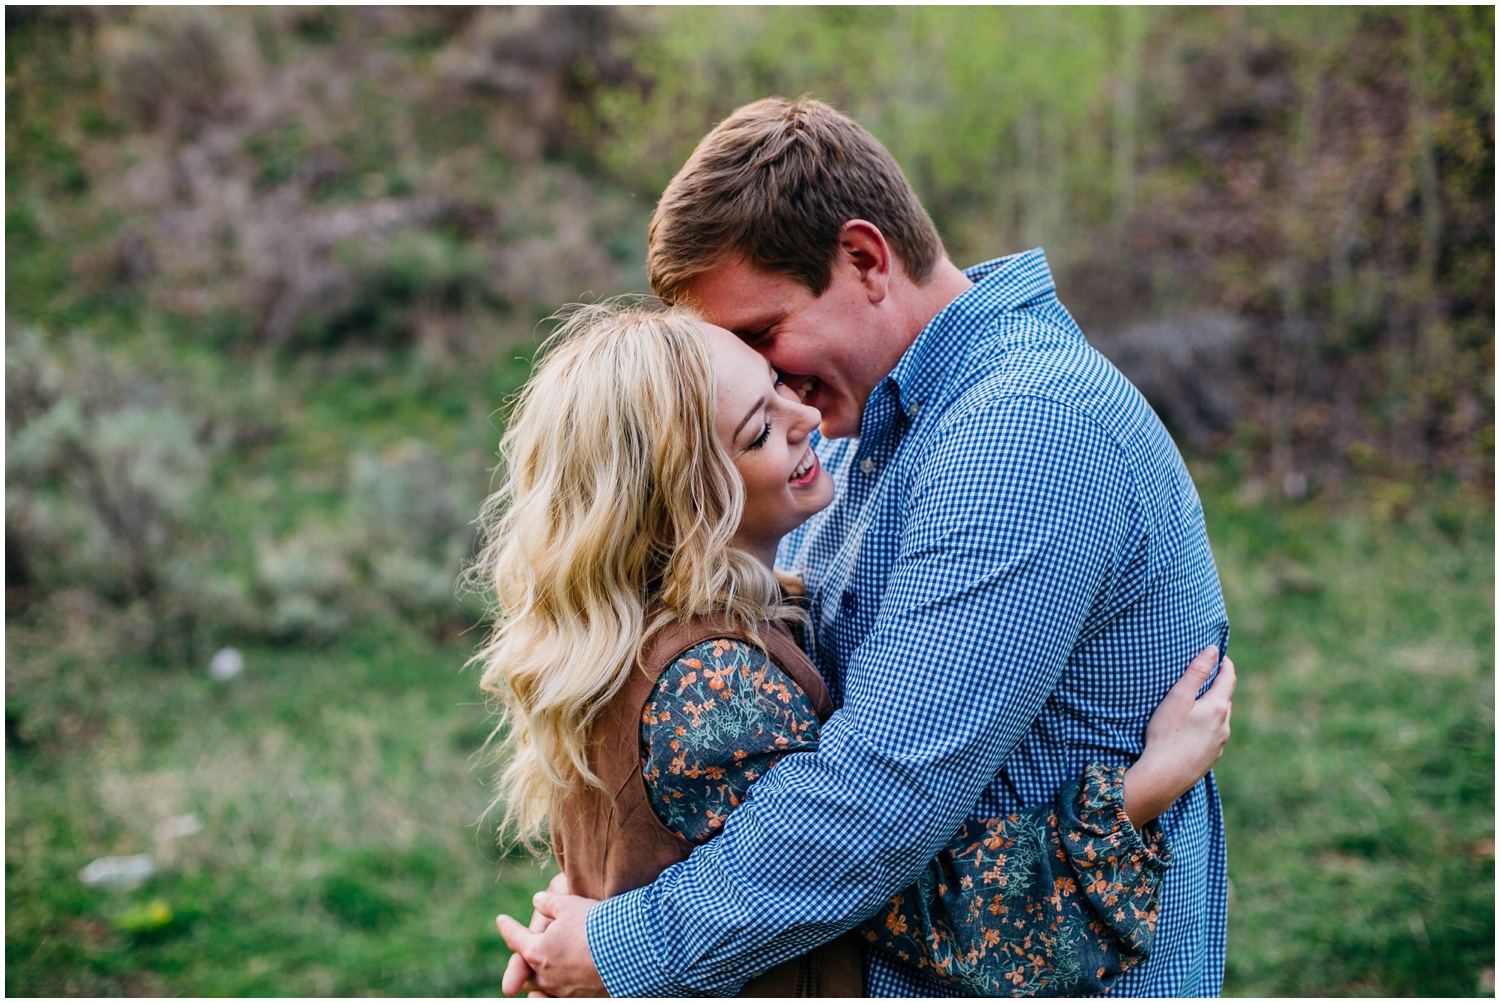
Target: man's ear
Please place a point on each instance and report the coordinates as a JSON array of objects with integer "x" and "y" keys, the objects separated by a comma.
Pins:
[{"x": 863, "y": 246}]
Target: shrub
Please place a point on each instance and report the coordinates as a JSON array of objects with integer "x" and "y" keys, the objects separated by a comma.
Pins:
[
  {"x": 168, "y": 67},
  {"x": 410, "y": 519},
  {"x": 395, "y": 547},
  {"x": 107, "y": 478}
]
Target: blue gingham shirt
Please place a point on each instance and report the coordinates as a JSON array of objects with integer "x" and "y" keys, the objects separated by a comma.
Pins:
[{"x": 1013, "y": 573}]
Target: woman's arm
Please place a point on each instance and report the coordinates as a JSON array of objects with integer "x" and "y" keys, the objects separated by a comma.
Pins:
[
  {"x": 719, "y": 718},
  {"x": 1184, "y": 738},
  {"x": 1062, "y": 899},
  {"x": 1053, "y": 899}
]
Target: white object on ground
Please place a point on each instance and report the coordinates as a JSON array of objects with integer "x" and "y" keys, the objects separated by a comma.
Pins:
[
  {"x": 182, "y": 825},
  {"x": 226, "y": 664},
  {"x": 118, "y": 873}
]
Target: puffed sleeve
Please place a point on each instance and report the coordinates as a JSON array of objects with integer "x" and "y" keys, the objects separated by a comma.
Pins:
[
  {"x": 719, "y": 717},
  {"x": 1054, "y": 900}
]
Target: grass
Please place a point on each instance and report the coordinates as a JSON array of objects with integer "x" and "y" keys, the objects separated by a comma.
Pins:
[
  {"x": 339, "y": 856},
  {"x": 1359, "y": 785}
]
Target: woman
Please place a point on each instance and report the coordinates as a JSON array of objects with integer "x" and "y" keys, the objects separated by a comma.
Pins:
[{"x": 644, "y": 659}]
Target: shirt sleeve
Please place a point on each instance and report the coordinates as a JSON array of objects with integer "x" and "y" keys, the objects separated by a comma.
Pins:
[
  {"x": 994, "y": 578},
  {"x": 719, "y": 718},
  {"x": 1058, "y": 900}
]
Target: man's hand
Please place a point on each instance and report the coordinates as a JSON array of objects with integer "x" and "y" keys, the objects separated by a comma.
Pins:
[
  {"x": 1185, "y": 738},
  {"x": 554, "y": 954}
]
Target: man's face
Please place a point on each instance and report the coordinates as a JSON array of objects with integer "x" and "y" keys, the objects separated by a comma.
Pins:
[{"x": 826, "y": 347}]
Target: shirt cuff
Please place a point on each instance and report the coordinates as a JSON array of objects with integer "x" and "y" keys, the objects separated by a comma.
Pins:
[
  {"x": 1097, "y": 812},
  {"x": 619, "y": 938}
]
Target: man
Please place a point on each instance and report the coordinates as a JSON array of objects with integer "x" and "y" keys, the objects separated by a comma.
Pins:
[{"x": 1012, "y": 574}]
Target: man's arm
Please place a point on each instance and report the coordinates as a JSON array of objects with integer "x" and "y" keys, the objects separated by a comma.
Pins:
[{"x": 1004, "y": 549}]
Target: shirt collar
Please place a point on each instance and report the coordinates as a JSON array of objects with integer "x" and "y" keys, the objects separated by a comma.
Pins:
[{"x": 1000, "y": 284}]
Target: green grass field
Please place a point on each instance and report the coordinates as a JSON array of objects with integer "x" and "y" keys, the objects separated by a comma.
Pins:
[{"x": 337, "y": 789}]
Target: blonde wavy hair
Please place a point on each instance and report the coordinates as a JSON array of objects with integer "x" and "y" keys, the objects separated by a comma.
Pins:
[{"x": 615, "y": 518}]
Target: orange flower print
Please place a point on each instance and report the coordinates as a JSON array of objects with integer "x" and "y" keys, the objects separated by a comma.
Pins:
[{"x": 896, "y": 923}]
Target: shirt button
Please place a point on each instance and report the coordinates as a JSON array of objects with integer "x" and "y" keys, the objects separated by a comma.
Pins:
[
  {"x": 849, "y": 603},
  {"x": 914, "y": 410},
  {"x": 867, "y": 466}
]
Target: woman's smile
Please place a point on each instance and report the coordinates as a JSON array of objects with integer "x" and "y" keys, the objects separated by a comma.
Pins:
[
  {"x": 763, "y": 423},
  {"x": 807, "y": 471}
]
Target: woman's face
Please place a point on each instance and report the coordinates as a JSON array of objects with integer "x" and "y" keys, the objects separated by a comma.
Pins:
[{"x": 765, "y": 428}]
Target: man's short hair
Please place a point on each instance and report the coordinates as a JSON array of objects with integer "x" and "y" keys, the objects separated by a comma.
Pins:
[{"x": 776, "y": 181}]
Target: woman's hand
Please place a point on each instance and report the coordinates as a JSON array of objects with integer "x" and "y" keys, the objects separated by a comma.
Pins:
[
  {"x": 1185, "y": 738},
  {"x": 518, "y": 974},
  {"x": 557, "y": 958}
]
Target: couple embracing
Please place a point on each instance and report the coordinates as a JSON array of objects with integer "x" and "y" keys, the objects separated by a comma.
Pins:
[{"x": 896, "y": 765}]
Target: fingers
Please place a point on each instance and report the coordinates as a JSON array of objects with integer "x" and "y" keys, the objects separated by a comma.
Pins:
[
  {"x": 1223, "y": 688},
  {"x": 517, "y": 976},
  {"x": 553, "y": 904},
  {"x": 517, "y": 937},
  {"x": 1227, "y": 670},
  {"x": 559, "y": 884},
  {"x": 1203, "y": 666},
  {"x": 1195, "y": 675}
]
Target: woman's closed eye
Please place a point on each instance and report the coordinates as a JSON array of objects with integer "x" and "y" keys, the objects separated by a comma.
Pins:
[{"x": 760, "y": 440}]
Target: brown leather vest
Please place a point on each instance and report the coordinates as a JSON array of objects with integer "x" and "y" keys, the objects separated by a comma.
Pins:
[{"x": 607, "y": 846}]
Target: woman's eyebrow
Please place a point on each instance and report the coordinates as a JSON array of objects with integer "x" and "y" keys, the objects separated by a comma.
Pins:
[{"x": 745, "y": 420}]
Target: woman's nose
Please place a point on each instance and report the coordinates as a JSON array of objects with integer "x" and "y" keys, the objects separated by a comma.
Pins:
[{"x": 805, "y": 418}]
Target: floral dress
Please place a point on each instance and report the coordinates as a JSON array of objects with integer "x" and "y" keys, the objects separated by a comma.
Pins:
[{"x": 1053, "y": 900}]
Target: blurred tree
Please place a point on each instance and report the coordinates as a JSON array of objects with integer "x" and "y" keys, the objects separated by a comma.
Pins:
[{"x": 1300, "y": 167}]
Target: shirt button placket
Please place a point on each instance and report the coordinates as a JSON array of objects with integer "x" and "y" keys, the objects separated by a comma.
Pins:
[{"x": 867, "y": 466}]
